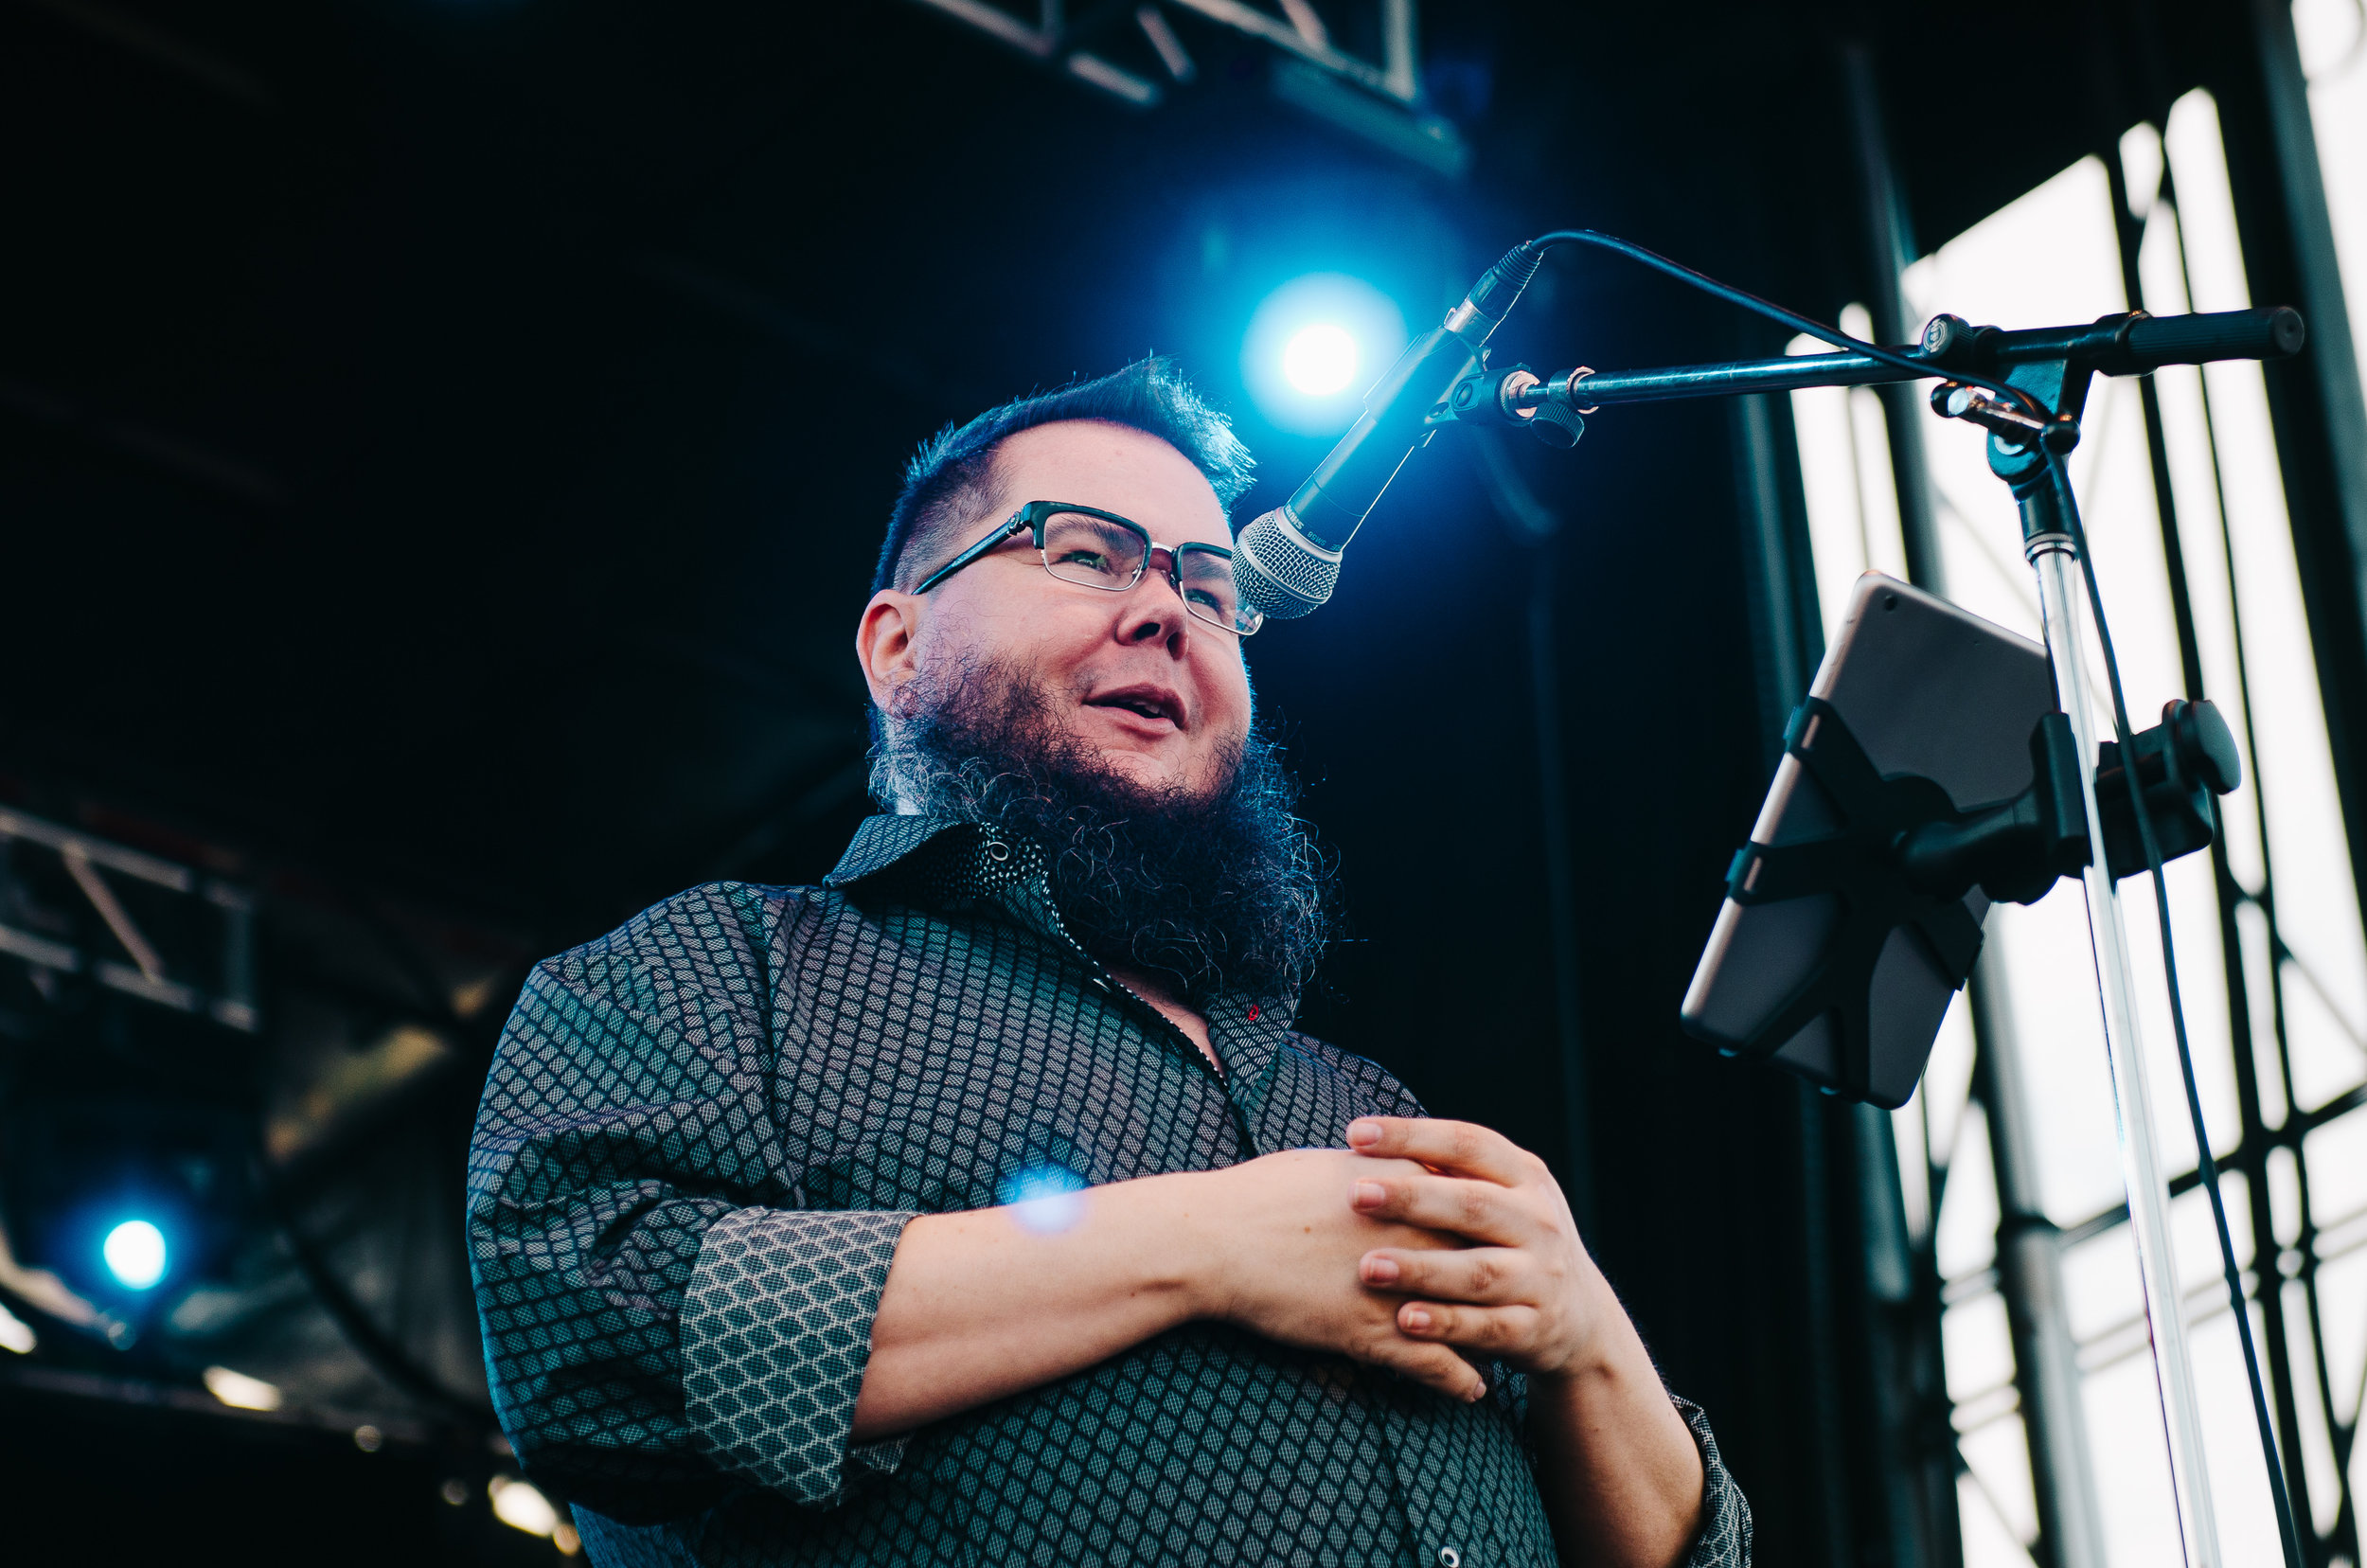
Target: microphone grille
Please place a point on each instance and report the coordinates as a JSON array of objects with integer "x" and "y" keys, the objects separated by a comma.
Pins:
[{"x": 1281, "y": 571}]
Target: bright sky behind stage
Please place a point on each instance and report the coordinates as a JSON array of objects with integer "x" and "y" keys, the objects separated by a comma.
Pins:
[{"x": 2054, "y": 257}]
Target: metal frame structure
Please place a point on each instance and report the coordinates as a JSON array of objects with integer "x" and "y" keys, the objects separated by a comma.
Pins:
[
  {"x": 1872, "y": 1333},
  {"x": 219, "y": 985},
  {"x": 2320, "y": 436},
  {"x": 1134, "y": 54},
  {"x": 84, "y": 915}
]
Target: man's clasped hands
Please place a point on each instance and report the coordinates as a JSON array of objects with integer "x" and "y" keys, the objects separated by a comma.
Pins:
[{"x": 1425, "y": 1247}]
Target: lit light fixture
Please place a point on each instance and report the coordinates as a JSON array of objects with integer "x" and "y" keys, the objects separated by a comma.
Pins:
[
  {"x": 1320, "y": 360},
  {"x": 134, "y": 1251},
  {"x": 520, "y": 1505},
  {"x": 16, "y": 1334},
  {"x": 241, "y": 1392},
  {"x": 1314, "y": 346}
]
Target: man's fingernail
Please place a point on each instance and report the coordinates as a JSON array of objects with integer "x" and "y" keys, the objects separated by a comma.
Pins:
[
  {"x": 1476, "y": 1395},
  {"x": 1362, "y": 1134},
  {"x": 1416, "y": 1319},
  {"x": 1371, "y": 1194},
  {"x": 1380, "y": 1271}
]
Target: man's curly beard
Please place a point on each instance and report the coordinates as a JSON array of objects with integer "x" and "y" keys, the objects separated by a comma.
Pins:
[{"x": 1222, "y": 889}]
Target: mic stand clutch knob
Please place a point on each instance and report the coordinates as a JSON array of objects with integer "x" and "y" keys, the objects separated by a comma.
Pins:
[
  {"x": 1515, "y": 395},
  {"x": 1557, "y": 426},
  {"x": 2190, "y": 756}
]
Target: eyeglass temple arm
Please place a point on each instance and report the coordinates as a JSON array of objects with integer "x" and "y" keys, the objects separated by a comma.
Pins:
[{"x": 986, "y": 542}]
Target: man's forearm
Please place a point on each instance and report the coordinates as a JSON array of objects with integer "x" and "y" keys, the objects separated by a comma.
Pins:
[
  {"x": 987, "y": 1303},
  {"x": 1620, "y": 1472},
  {"x": 982, "y": 1305}
]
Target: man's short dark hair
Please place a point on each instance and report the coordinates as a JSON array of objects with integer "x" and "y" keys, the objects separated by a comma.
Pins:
[{"x": 949, "y": 481}]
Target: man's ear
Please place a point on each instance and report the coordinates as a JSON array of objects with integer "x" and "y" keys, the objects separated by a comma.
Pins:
[{"x": 884, "y": 644}]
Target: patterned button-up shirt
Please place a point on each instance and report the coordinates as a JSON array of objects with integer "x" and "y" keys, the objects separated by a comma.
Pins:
[{"x": 702, "y": 1135}]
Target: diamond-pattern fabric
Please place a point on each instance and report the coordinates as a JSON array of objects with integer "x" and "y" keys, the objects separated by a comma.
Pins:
[
  {"x": 779, "y": 1313},
  {"x": 702, "y": 1135}
]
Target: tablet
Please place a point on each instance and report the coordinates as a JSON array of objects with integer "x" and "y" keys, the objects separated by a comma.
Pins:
[{"x": 1925, "y": 688}]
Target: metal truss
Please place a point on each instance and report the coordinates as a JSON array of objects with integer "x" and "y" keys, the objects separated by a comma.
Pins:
[
  {"x": 170, "y": 935},
  {"x": 1133, "y": 53},
  {"x": 2268, "y": 1173}
]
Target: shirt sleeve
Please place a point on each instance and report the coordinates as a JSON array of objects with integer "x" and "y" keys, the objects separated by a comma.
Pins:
[
  {"x": 777, "y": 1331},
  {"x": 629, "y": 1221},
  {"x": 1724, "y": 1541}
]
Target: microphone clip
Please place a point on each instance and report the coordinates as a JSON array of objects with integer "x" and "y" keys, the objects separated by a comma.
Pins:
[{"x": 1515, "y": 396}]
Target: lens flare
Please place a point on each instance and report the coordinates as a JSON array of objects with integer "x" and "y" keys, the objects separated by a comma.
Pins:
[
  {"x": 134, "y": 1251},
  {"x": 1320, "y": 360},
  {"x": 1045, "y": 1199},
  {"x": 522, "y": 1507},
  {"x": 241, "y": 1392}
]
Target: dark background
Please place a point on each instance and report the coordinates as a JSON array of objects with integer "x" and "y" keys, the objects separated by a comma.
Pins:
[{"x": 442, "y": 448}]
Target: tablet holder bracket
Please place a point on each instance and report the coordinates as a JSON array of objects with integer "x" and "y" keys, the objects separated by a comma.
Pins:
[{"x": 1906, "y": 856}]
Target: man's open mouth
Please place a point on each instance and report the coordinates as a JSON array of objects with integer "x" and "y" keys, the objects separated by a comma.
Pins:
[{"x": 1147, "y": 702}]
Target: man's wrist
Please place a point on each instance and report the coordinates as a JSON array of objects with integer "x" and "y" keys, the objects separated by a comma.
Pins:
[
  {"x": 1583, "y": 1381},
  {"x": 1607, "y": 1351},
  {"x": 1175, "y": 1225}
]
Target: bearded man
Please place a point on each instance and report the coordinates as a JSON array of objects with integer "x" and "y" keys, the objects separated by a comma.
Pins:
[{"x": 980, "y": 1206}]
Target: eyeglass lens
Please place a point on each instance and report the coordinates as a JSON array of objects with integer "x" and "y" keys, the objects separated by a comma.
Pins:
[{"x": 1101, "y": 554}]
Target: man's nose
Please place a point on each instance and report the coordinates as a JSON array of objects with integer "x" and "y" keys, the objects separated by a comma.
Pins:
[{"x": 1154, "y": 610}]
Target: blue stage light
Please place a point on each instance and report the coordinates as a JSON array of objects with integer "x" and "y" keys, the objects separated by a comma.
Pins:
[
  {"x": 1321, "y": 360},
  {"x": 134, "y": 1251},
  {"x": 1314, "y": 347}
]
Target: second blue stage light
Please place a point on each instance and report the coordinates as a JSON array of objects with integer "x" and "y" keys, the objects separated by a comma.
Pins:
[{"x": 134, "y": 1251}]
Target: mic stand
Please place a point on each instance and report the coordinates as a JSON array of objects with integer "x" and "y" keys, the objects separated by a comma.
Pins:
[
  {"x": 2053, "y": 556},
  {"x": 2054, "y": 365},
  {"x": 2016, "y": 454},
  {"x": 2056, "y": 559}
]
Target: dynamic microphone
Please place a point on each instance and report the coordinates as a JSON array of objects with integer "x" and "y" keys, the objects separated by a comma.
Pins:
[{"x": 1287, "y": 561}]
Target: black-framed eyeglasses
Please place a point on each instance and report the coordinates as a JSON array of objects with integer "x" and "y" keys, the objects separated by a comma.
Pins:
[{"x": 1099, "y": 550}]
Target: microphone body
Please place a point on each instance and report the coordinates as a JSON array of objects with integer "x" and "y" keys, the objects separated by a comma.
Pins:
[{"x": 1287, "y": 561}]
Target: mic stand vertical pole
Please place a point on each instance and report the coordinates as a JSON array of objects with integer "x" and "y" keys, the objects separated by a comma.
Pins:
[{"x": 2053, "y": 556}]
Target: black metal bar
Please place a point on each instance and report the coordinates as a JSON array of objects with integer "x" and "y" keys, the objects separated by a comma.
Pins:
[
  {"x": 2227, "y": 893},
  {"x": 1837, "y": 1525},
  {"x": 1561, "y": 877},
  {"x": 2276, "y": 1346},
  {"x": 2118, "y": 345},
  {"x": 2267, "y": 1291},
  {"x": 1890, "y": 249},
  {"x": 1791, "y": 374},
  {"x": 2320, "y": 417},
  {"x": 2287, "y": 1134},
  {"x": 1926, "y": 1529}
]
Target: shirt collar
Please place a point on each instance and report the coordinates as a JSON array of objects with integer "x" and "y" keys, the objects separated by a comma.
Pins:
[
  {"x": 948, "y": 865},
  {"x": 1253, "y": 1028},
  {"x": 881, "y": 842}
]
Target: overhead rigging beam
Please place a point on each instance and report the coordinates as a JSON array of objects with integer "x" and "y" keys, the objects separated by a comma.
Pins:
[
  {"x": 1379, "y": 102},
  {"x": 218, "y": 983}
]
